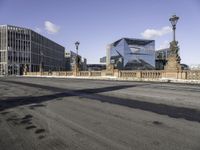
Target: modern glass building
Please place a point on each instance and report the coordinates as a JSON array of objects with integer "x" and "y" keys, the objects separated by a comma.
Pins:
[
  {"x": 22, "y": 48},
  {"x": 131, "y": 54}
]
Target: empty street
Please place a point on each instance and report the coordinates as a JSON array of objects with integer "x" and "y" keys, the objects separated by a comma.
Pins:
[{"x": 79, "y": 114}]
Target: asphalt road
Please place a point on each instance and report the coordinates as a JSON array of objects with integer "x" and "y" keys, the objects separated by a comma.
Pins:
[{"x": 73, "y": 114}]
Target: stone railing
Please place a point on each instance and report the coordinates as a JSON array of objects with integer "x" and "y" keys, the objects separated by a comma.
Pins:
[
  {"x": 84, "y": 73},
  {"x": 193, "y": 74},
  {"x": 127, "y": 74},
  {"x": 69, "y": 73},
  {"x": 55, "y": 73},
  {"x": 155, "y": 74},
  {"x": 95, "y": 73},
  {"x": 34, "y": 73},
  {"x": 152, "y": 74}
]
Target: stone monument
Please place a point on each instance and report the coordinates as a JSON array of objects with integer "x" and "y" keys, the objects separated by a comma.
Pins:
[
  {"x": 173, "y": 68},
  {"x": 173, "y": 60}
]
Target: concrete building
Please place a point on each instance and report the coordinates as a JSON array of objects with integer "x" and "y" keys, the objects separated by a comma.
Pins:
[
  {"x": 103, "y": 60},
  {"x": 70, "y": 61},
  {"x": 23, "y": 49},
  {"x": 96, "y": 67},
  {"x": 131, "y": 54}
]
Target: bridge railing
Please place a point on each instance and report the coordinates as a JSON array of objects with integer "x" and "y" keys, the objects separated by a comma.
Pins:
[
  {"x": 193, "y": 74},
  {"x": 155, "y": 74},
  {"x": 95, "y": 73},
  {"x": 84, "y": 73},
  {"x": 127, "y": 74}
]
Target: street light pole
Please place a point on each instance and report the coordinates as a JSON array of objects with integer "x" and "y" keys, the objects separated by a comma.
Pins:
[
  {"x": 173, "y": 59},
  {"x": 77, "y": 44},
  {"x": 174, "y": 20}
]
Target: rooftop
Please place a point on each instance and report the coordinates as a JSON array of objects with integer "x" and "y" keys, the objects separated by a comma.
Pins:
[{"x": 133, "y": 41}]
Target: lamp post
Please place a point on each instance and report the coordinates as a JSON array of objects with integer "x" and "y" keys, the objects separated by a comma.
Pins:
[
  {"x": 173, "y": 59},
  {"x": 174, "y": 20},
  {"x": 76, "y": 44}
]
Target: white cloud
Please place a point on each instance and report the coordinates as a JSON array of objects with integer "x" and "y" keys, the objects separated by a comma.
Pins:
[
  {"x": 51, "y": 28},
  {"x": 153, "y": 33},
  {"x": 38, "y": 30},
  {"x": 164, "y": 45}
]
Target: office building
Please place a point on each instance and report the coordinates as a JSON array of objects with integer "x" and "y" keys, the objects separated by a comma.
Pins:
[
  {"x": 103, "y": 60},
  {"x": 96, "y": 67},
  {"x": 23, "y": 49}
]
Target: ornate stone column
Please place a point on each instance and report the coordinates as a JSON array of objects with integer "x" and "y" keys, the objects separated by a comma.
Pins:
[
  {"x": 173, "y": 60},
  {"x": 173, "y": 68}
]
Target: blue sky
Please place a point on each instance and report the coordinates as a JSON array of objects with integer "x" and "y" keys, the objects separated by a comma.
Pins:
[{"x": 96, "y": 23}]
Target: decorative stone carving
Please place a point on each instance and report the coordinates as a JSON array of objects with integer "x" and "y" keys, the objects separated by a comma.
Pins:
[
  {"x": 110, "y": 67},
  {"x": 173, "y": 60}
]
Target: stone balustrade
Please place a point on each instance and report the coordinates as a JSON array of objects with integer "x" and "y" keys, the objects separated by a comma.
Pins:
[
  {"x": 155, "y": 74},
  {"x": 127, "y": 74},
  {"x": 84, "y": 73},
  {"x": 193, "y": 74},
  {"x": 69, "y": 73},
  {"x": 95, "y": 73}
]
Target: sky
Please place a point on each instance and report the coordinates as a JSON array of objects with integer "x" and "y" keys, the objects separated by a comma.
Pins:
[{"x": 97, "y": 23}]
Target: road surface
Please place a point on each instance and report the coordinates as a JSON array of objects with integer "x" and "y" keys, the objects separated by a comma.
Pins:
[{"x": 75, "y": 114}]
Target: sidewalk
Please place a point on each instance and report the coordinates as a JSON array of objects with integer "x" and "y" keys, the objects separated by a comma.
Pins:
[{"x": 167, "y": 80}]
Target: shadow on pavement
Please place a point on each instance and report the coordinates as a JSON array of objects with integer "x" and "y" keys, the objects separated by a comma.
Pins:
[
  {"x": 12, "y": 102},
  {"x": 58, "y": 89},
  {"x": 163, "y": 109}
]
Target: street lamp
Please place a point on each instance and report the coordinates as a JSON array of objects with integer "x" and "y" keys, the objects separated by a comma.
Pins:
[
  {"x": 173, "y": 59},
  {"x": 77, "y": 44},
  {"x": 174, "y": 20}
]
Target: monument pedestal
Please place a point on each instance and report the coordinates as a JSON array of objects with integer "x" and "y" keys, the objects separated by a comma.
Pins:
[
  {"x": 172, "y": 64},
  {"x": 173, "y": 68},
  {"x": 109, "y": 70},
  {"x": 76, "y": 70}
]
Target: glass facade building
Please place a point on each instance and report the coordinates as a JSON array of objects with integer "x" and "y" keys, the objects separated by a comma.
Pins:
[
  {"x": 22, "y": 48},
  {"x": 131, "y": 54}
]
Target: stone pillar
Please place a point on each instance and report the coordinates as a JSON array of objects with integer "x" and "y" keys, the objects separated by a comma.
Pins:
[
  {"x": 110, "y": 70},
  {"x": 116, "y": 73},
  {"x": 25, "y": 69},
  {"x": 138, "y": 74},
  {"x": 173, "y": 60},
  {"x": 75, "y": 70}
]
